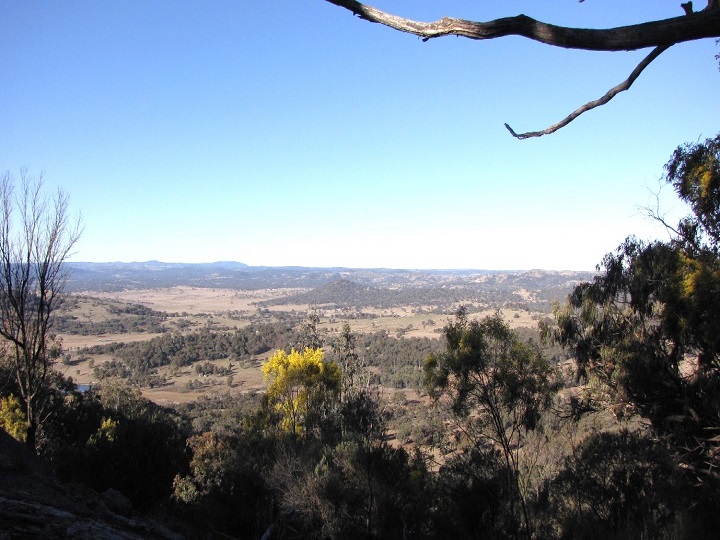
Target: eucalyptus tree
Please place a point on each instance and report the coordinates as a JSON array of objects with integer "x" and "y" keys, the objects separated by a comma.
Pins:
[
  {"x": 646, "y": 331},
  {"x": 496, "y": 387}
]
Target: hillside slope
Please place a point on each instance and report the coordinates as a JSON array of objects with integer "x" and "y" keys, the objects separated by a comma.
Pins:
[{"x": 35, "y": 505}]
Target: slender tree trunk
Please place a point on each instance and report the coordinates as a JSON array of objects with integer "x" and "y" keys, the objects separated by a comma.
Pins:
[
  {"x": 31, "y": 432},
  {"x": 31, "y": 440},
  {"x": 371, "y": 496}
]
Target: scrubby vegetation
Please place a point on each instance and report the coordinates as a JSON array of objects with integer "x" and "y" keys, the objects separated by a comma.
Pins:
[
  {"x": 120, "y": 319},
  {"x": 480, "y": 434},
  {"x": 500, "y": 453},
  {"x": 398, "y": 361}
]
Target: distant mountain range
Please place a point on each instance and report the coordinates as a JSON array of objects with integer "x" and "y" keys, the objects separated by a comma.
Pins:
[{"x": 340, "y": 286}]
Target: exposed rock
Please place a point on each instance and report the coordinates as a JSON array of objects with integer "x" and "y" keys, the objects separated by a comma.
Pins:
[
  {"x": 35, "y": 505},
  {"x": 117, "y": 502}
]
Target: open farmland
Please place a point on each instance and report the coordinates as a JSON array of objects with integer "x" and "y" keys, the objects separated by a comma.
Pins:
[{"x": 99, "y": 327}]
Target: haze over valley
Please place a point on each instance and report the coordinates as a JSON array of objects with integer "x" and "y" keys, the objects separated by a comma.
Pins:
[{"x": 137, "y": 302}]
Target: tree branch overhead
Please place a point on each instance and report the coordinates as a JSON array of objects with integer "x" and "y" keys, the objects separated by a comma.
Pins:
[
  {"x": 660, "y": 35},
  {"x": 703, "y": 24},
  {"x": 625, "y": 85}
]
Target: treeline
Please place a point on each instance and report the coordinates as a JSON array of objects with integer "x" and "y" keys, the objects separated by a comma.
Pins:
[
  {"x": 441, "y": 299},
  {"x": 125, "y": 318},
  {"x": 138, "y": 362},
  {"x": 184, "y": 349},
  {"x": 311, "y": 457},
  {"x": 399, "y": 361}
]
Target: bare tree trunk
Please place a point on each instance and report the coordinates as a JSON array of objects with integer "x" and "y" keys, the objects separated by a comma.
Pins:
[{"x": 36, "y": 237}]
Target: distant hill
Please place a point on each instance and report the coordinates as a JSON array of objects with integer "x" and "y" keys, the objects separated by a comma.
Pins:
[
  {"x": 537, "y": 289},
  {"x": 118, "y": 275},
  {"x": 341, "y": 293},
  {"x": 112, "y": 276},
  {"x": 340, "y": 287}
]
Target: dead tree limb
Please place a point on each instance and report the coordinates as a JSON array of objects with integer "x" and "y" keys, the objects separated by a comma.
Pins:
[
  {"x": 661, "y": 35},
  {"x": 703, "y": 24},
  {"x": 626, "y": 84}
]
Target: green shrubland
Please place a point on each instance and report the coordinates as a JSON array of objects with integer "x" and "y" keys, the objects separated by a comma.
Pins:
[{"x": 498, "y": 438}]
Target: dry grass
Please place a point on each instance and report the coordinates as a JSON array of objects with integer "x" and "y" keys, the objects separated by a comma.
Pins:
[
  {"x": 195, "y": 305},
  {"x": 195, "y": 300}
]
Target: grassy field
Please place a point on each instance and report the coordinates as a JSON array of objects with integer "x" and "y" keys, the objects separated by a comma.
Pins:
[{"x": 188, "y": 309}]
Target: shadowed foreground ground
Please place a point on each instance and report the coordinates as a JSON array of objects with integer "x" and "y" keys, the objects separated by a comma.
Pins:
[{"x": 35, "y": 505}]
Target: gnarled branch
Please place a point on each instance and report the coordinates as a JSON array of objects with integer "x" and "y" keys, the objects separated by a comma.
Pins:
[
  {"x": 660, "y": 34},
  {"x": 690, "y": 27},
  {"x": 627, "y": 83}
]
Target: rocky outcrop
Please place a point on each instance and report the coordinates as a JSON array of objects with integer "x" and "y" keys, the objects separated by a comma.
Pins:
[{"x": 35, "y": 505}]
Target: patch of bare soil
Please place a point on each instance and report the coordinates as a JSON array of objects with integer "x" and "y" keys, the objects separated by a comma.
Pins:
[
  {"x": 72, "y": 342},
  {"x": 188, "y": 385}
]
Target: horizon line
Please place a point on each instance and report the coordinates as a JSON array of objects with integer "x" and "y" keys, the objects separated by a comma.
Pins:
[{"x": 405, "y": 269}]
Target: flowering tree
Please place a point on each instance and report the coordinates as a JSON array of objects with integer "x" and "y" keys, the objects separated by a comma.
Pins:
[{"x": 301, "y": 383}]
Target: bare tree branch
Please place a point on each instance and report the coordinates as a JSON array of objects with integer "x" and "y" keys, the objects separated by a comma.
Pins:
[
  {"x": 660, "y": 34},
  {"x": 36, "y": 237},
  {"x": 689, "y": 27},
  {"x": 656, "y": 213},
  {"x": 626, "y": 84}
]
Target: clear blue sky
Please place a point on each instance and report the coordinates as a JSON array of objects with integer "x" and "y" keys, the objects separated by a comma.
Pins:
[{"x": 287, "y": 132}]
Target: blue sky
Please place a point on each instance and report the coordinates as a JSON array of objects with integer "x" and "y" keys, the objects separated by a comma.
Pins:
[{"x": 287, "y": 132}]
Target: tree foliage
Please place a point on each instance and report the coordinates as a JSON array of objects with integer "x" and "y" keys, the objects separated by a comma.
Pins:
[
  {"x": 344, "y": 350},
  {"x": 134, "y": 445},
  {"x": 615, "y": 485},
  {"x": 12, "y": 418},
  {"x": 646, "y": 331},
  {"x": 301, "y": 383},
  {"x": 310, "y": 337},
  {"x": 497, "y": 386}
]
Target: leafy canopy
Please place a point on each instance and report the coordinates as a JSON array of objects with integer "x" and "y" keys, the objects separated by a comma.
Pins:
[
  {"x": 486, "y": 368},
  {"x": 646, "y": 331},
  {"x": 12, "y": 418},
  {"x": 497, "y": 387},
  {"x": 300, "y": 384}
]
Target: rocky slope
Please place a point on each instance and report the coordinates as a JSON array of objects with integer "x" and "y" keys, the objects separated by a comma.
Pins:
[{"x": 35, "y": 505}]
